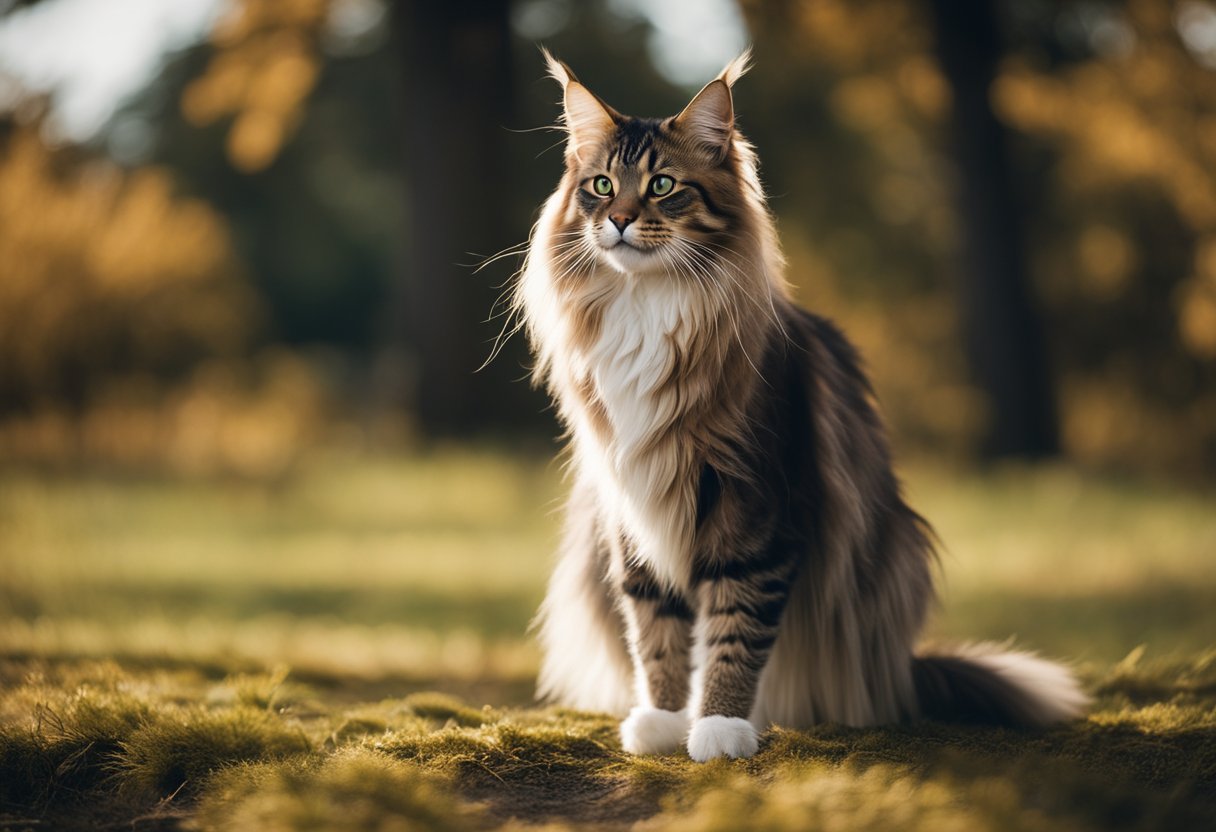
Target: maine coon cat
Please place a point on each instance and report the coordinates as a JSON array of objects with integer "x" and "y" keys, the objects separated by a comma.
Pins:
[{"x": 737, "y": 550}]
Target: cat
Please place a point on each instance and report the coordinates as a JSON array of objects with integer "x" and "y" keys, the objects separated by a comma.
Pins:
[{"x": 737, "y": 551}]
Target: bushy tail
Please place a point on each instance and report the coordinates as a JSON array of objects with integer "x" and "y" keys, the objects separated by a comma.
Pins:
[{"x": 987, "y": 683}]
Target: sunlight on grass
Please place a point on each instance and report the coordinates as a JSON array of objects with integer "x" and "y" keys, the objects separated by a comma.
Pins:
[
  {"x": 352, "y": 789},
  {"x": 415, "y": 568},
  {"x": 96, "y": 741},
  {"x": 146, "y": 626},
  {"x": 1070, "y": 564},
  {"x": 432, "y": 567}
]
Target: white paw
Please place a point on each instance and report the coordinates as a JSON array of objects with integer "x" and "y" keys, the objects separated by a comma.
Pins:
[
  {"x": 722, "y": 736},
  {"x": 653, "y": 730}
]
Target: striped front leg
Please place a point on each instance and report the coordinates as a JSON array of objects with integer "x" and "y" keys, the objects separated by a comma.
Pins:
[
  {"x": 659, "y": 622},
  {"x": 741, "y": 602}
]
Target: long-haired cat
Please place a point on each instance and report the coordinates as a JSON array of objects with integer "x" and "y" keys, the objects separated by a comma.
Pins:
[{"x": 737, "y": 552}]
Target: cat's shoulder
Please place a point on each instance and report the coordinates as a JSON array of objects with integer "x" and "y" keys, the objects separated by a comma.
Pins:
[{"x": 819, "y": 339}]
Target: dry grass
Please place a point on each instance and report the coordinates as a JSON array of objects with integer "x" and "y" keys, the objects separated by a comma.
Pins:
[
  {"x": 93, "y": 741},
  {"x": 145, "y": 625}
]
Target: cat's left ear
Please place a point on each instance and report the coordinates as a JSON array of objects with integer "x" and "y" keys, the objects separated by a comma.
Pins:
[
  {"x": 709, "y": 119},
  {"x": 589, "y": 121}
]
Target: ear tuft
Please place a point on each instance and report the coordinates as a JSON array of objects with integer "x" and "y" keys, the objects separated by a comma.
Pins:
[
  {"x": 558, "y": 70},
  {"x": 737, "y": 68},
  {"x": 587, "y": 120}
]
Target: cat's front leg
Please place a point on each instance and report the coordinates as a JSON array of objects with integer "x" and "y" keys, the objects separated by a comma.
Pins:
[
  {"x": 740, "y": 602},
  {"x": 659, "y": 622}
]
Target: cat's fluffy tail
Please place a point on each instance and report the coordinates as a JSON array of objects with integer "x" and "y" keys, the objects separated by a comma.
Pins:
[{"x": 988, "y": 683}]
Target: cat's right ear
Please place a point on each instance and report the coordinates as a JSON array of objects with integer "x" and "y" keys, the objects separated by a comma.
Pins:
[
  {"x": 588, "y": 120},
  {"x": 709, "y": 119}
]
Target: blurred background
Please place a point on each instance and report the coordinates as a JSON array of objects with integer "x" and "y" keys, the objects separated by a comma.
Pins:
[
  {"x": 231, "y": 230},
  {"x": 241, "y": 317}
]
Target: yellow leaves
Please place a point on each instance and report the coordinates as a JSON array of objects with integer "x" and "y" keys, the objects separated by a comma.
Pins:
[
  {"x": 288, "y": 73},
  {"x": 1115, "y": 136},
  {"x": 1205, "y": 261},
  {"x": 865, "y": 102},
  {"x": 1134, "y": 118},
  {"x": 255, "y": 139},
  {"x": 1028, "y": 101},
  {"x": 125, "y": 236},
  {"x": 217, "y": 92},
  {"x": 1128, "y": 121},
  {"x": 120, "y": 254},
  {"x": 265, "y": 68},
  {"x": 247, "y": 18},
  {"x": 1197, "y": 322},
  {"x": 96, "y": 262},
  {"x": 829, "y": 25},
  {"x": 1117, "y": 145},
  {"x": 253, "y": 418},
  {"x": 923, "y": 85},
  {"x": 1205, "y": 132},
  {"x": 1150, "y": 16},
  {"x": 852, "y": 35},
  {"x": 1107, "y": 257},
  {"x": 884, "y": 107},
  {"x": 1196, "y": 301}
]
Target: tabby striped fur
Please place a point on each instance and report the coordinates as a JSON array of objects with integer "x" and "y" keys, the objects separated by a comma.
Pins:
[{"x": 738, "y": 552}]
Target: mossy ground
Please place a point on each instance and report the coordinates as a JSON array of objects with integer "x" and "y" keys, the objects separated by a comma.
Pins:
[
  {"x": 93, "y": 745},
  {"x": 145, "y": 628}
]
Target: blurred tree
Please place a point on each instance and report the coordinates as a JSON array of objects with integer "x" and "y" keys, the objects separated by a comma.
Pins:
[
  {"x": 326, "y": 134},
  {"x": 460, "y": 87},
  {"x": 106, "y": 276},
  {"x": 319, "y": 221},
  {"x": 417, "y": 303},
  {"x": 1108, "y": 108},
  {"x": 290, "y": 120},
  {"x": 363, "y": 224},
  {"x": 1001, "y": 325},
  {"x": 1123, "y": 106},
  {"x": 261, "y": 72}
]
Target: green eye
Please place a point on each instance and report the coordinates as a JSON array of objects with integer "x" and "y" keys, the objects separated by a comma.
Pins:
[
  {"x": 662, "y": 185},
  {"x": 602, "y": 185}
]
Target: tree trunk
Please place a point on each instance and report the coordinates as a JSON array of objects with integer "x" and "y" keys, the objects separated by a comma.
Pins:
[
  {"x": 458, "y": 89},
  {"x": 1003, "y": 333}
]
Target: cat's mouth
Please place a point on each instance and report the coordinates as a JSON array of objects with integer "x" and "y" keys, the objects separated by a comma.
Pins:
[{"x": 621, "y": 244}]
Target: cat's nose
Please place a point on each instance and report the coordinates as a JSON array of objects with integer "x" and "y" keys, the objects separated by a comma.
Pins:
[{"x": 621, "y": 221}]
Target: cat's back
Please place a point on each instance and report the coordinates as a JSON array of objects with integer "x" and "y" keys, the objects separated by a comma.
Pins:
[{"x": 821, "y": 348}]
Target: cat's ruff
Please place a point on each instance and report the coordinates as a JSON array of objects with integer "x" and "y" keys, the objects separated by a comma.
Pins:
[{"x": 737, "y": 552}]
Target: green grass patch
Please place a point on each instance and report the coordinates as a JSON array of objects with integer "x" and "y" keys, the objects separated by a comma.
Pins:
[
  {"x": 146, "y": 627},
  {"x": 352, "y": 788},
  {"x": 124, "y": 746}
]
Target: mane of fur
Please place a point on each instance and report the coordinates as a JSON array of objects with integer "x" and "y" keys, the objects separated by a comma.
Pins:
[{"x": 660, "y": 352}]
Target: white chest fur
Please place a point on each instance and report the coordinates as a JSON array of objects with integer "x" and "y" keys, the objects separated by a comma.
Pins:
[{"x": 645, "y": 467}]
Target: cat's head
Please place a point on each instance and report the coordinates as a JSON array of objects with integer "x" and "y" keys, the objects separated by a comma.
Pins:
[{"x": 649, "y": 195}]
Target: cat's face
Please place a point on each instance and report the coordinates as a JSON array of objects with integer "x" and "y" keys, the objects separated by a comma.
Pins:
[
  {"x": 650, "y": 195},
  {"x": 645, "y": 197}
]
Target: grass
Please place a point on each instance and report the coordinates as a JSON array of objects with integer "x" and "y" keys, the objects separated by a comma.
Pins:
[{"x": 146, "y": 628}]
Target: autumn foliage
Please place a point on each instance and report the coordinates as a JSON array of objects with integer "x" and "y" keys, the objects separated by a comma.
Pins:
[{"x": 131, "y": 285}]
